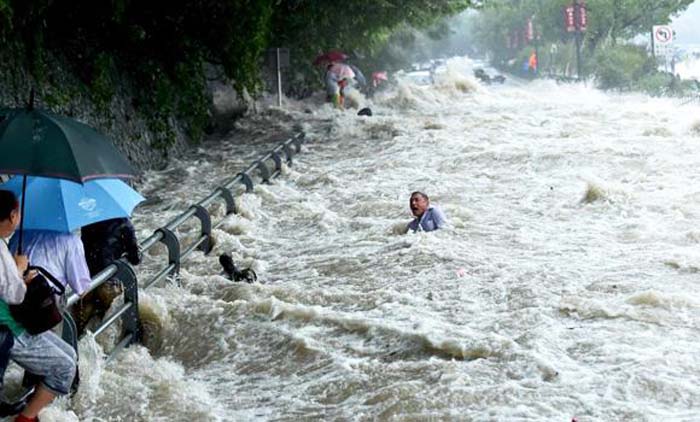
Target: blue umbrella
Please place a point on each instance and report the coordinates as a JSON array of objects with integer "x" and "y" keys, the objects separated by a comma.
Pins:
[{"x": 63, "y": 206}]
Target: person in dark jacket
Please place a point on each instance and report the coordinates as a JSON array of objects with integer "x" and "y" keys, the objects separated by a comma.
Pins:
[
  {"x": 108, "y": 240},
  {"x": 104, "y": 242}
]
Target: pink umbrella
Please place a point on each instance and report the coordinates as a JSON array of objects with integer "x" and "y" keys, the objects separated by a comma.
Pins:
[
  {"x": 378, "y": 77},
  {"x": 330, "y": 57},
  {"x": 342, "y": 71}
]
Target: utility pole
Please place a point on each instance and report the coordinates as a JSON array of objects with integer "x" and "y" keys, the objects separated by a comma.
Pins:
[{"x": 279, "y": 77}]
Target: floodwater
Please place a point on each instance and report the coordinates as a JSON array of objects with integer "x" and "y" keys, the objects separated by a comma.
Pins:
[{"x": 565, "y": 287}]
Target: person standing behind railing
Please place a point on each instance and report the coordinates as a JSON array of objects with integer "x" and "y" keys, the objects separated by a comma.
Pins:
[
  {"x": 43, "y": 354},
  {"x": 61, "y": 254},
  {"x": 105, "y": 242}
]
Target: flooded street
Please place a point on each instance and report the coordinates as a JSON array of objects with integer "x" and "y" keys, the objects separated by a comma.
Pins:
[{"x": 566, "y": 285}]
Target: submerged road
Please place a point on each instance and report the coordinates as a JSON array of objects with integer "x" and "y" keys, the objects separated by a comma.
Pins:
[{"x": 566, "y": 285}]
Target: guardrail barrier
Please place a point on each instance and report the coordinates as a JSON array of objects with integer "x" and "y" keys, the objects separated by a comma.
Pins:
[{"x": 266, "y": 168}]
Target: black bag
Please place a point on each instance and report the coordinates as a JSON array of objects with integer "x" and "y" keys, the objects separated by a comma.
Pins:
[{"x": 39, "y": 311}]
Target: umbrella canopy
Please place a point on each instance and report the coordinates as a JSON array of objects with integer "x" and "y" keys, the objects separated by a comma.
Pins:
[
  {"x": 342, "y": 71},
  {"x": 330, "y": 56},
  {"x": 39, "y": 143},
  {"x": 379, "y": 76},
  {"x": 62, "y": 205}
]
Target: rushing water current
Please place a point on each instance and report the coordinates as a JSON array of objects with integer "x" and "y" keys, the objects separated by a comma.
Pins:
[{"x": 567, "y": 285}]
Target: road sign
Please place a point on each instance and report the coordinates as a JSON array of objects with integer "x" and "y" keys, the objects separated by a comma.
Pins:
[
  {"x": 662, "y": 37},
  {"x": 271, "y": 57},
  {"x": 663, "y": 34}
]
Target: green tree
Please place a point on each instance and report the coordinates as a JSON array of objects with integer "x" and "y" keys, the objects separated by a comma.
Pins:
[
  {"x": 608, "y": 22},
  {"x": 614, "y": 20},
  {"x": 163, "y": 47}
]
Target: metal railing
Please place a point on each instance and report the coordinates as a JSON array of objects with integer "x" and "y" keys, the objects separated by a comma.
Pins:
[{"x": 266, "y": 168}]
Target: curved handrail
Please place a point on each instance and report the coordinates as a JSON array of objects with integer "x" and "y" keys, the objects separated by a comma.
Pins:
[{"x": 123, "y": 271}]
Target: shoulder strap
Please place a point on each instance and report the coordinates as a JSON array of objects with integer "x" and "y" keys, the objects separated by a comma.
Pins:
[{"x": 60, "y": 289}]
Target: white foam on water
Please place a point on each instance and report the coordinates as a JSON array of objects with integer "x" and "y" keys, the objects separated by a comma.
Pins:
[{"x": 564, "y": 287}]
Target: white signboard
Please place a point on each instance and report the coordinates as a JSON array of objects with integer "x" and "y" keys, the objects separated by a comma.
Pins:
[{"x": 663, "y": 39}]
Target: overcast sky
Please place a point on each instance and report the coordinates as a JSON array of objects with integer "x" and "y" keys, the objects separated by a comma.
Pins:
[{"x": 687, "y": 25}]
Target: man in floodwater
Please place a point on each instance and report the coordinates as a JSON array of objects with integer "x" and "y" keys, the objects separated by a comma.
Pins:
[{"x": 428, "y": 218}]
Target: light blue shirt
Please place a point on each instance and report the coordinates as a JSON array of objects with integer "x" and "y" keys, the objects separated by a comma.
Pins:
[
  {"x": 432, "y": 219},
  {"x": 61, "y": 254}
]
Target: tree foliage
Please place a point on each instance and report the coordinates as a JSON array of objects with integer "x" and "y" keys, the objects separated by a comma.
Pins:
[
  {"x": 164, "y": 46},
  {"x": 608, "y": 21},
  {"x": 606, "y": 54},
  {"x": 620, "y": 19}
]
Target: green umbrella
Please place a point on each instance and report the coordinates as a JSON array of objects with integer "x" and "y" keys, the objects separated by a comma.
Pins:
[
  {"x": 36, "y": 142},
  {"x": 39, "y": 143}
]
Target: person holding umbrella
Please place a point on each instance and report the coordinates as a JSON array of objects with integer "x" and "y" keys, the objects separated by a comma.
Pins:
[
  {"x": 12, "y": 288},
  {"x": 61, "y": 254},
  {"x": 43, "y": 354},
  {"x": 98, "y": 208},
  {"x": 40, "y": 143},
  {"x": 104, "y": 242},
  {"x": 337, "y": 75},
  {"x": 338, "y": 78}
]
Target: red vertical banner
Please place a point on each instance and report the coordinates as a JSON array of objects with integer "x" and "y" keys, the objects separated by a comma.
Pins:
[
  {"x": 582, "y": 16},
  {"x": 529, "y": 31},
  {"x": 569, "y": 21}
]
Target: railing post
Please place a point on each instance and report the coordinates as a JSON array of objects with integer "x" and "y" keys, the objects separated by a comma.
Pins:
[
  {"x": 69, "y": 331},
  {"x": 131, "y": 320},
  {"x": 297, "y": 143},
  {"x": 173, "y": 244},
  {"x": 289, "y": 153},
  {"x": 278, "y": 161},
  {"x": 228, "y": 198},
  {"x": 247, "y": 181},
  {"x": 264, "y": 172},
  {"x": 203, "y": 215}
]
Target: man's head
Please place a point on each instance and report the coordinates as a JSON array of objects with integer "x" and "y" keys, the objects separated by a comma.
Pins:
[
  {"x": 419, "y": 203},
  {"x": 9, "y": 213}
]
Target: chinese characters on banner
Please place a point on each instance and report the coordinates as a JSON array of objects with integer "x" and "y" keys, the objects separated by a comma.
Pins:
[
  {"x": 569, "y": 19},
  {"x": 575, "y": 17},
  {"x": 582, "y": 17},
  {"x": 529, "y": 31}
]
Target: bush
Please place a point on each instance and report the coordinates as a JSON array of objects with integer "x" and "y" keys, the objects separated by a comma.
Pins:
[
  {"x": 655, "y": 84},
  {"x": 622, "y": 66}
]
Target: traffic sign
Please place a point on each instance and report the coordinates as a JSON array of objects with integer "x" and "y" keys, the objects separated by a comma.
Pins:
[{"x": 663, "y": 34}]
